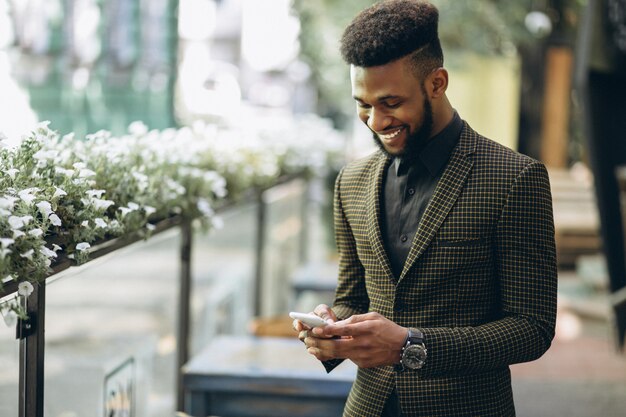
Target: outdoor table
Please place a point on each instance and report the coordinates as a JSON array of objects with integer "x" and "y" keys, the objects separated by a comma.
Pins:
[{"x": 263, "y": 377}]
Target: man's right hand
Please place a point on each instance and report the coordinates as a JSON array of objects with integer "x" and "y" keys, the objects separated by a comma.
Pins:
[{"x": 322, "y": 311}]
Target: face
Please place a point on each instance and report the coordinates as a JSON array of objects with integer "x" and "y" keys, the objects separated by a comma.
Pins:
[{"x": 393, "y": 103}]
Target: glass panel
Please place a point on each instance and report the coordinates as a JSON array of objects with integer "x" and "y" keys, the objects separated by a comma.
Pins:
[
  {"x": 223, "y": 273},
  {"x": 9, "y": 369},
  {"x": 111, "y": 333},
  {"x": 283, "y": 249}
]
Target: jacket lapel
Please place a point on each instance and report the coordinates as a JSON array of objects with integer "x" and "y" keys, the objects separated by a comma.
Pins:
[
  {"x": 444, "y": 197},
  {"x": 374, "y": 213}
]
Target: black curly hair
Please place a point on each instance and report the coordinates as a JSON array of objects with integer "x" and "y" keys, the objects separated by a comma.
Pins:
[{"x": 393, "y": 29}]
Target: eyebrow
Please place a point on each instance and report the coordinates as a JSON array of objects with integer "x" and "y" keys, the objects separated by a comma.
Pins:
[{"x": 383, "y": 98}]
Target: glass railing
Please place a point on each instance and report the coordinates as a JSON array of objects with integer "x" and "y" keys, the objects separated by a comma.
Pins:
[{"x": 119, "y": 328}]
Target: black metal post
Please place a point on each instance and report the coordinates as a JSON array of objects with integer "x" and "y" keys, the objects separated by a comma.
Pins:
[
  {"x": 259, "y": 255},
  {"x": 305, "y": 213},
  {"x": 32, "y": 343},
  {"x": 184, "y": 307}
]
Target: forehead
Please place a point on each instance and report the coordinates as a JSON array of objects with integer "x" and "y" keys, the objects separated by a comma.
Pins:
[{"x": 394, "y": 78}]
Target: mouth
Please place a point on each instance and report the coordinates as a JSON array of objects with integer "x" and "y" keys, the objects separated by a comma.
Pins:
[{"x": 391, "y": 135}]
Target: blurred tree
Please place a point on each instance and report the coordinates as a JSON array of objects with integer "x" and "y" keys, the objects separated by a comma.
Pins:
[
  {"x": 492, "y": 27},
  {"x": 322, "y": 23}
]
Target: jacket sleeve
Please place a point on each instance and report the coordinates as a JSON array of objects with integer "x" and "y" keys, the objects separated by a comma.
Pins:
[
  {"x": 527, "y": 278},
  {"x": 351, "y": 295}
]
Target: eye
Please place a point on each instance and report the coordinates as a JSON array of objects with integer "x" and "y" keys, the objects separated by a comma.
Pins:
[
  {"x": 362, "y": 105},
  {"x": 393, "y": 105}
]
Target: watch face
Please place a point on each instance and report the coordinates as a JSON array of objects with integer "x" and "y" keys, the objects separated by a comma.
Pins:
[{"x": 414, "y": 356}]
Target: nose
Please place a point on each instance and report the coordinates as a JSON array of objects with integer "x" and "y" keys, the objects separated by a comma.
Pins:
[{"x": 378, "y": 121}]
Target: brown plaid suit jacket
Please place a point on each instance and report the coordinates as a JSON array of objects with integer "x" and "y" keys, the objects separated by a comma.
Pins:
[{"x": 479, "y": 281}]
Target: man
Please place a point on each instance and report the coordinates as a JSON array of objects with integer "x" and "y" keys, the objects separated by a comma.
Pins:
[{"x": 447, "y": 271}]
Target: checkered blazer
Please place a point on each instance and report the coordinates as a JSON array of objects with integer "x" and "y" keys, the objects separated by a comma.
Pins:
[{"x": 479, "y": 280}]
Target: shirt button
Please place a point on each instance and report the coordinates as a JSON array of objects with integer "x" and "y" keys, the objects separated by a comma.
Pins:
[
  {"x": 399, "y": 307},
  {"x": 403, "y": 238},
  {"x": 411, "y": 191}
]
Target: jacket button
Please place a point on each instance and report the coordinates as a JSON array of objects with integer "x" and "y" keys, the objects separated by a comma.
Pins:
[{"x": 399, "y": 307}]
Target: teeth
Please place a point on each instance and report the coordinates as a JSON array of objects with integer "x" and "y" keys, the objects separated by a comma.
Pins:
[{"x": 391, "y": 135}]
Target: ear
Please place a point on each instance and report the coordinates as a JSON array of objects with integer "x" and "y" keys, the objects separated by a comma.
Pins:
[{"x": 437, "y": 83}]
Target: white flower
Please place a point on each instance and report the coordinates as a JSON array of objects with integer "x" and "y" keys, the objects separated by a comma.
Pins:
[
  {"x": 55, "y": 220},
  {"x": 4, "y": 252},
  {"x": 86, "y": 173},
  {"x": 100, "y": 204},
  {"x": 205, "y": 207},
  {"x": 35, "y": 232},
  {"x": 85, "y": 223},
  {"x": 5, "y": 242},
  {"x": 28, "y": 254},
  {"x": 45, "y": 208},
  {"x": 12, "y": 172},
  {"x": 150, "y": 226},
  {"x": 149, "y": 210},
  {"x": 63, "y": 171},
  {"x": 79, "y": 165},
  {"x": 82, "y": 246},
  {"x": 10, "y": 318},
  {"x": 16, "y": 222},
  {"x": 100, "y": 223},
  {"x": 56, "y": 247},
  {"x": 133, "y": 206},
  {"x": 95, "y": 193},
  {"x": 140, "y": 177},
  {"x": 18, "y": 233},
  {"x": 25, "y": 288},
  {"x": 125, "y": 211},
  {"x": 58, "y": 192},
  {"x": 48, "y": 253},
  {"x": 7, "y": 202},
  {"x": 28, "y": 195},
  {"x": 137, "y": 128},
  {"x": 43, "y": 155}
]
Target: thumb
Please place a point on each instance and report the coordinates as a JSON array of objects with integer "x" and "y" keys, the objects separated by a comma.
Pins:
[{"x": 325, "y": 312}]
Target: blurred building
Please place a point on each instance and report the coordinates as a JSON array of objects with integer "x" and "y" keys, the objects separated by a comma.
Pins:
[{"x": 87, "y": 65}]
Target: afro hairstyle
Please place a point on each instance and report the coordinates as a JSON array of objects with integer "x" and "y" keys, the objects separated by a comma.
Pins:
[{"x": 392, "y": 29}]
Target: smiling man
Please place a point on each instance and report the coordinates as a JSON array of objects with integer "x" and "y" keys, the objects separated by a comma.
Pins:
[{"x": 447, "y": 267}]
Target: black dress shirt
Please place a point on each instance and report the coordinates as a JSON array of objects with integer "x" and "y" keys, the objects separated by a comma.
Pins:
[{"x": 409, "y": 185}]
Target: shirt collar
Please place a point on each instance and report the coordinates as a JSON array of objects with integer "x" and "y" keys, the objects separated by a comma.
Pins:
[{"x": 437, "y": 151}]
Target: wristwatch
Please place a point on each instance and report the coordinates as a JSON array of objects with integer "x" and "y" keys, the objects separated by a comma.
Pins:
[{"x": 414, "y": 351}]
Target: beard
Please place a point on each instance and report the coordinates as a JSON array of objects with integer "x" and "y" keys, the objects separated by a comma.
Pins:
[{"x": 415, "y": 141}]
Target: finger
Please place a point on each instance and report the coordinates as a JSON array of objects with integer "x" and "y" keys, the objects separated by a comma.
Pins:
[
  {"x": 347, "y": 327},
  {"x": 320, "y": 348},
  {"x": 303, "y": 335},
  {"x": 325, "y": 312}
]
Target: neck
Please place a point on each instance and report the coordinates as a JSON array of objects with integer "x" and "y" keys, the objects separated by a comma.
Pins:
[{"x": 442, "y": 115}]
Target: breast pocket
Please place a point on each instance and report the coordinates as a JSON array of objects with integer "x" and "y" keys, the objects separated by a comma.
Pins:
[
  {"x": 461, "y": 242},
  {"x": 460, "y": 254}
]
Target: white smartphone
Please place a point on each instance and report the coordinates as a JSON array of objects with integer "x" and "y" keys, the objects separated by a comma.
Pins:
[{"x": 310, "y": 320}]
